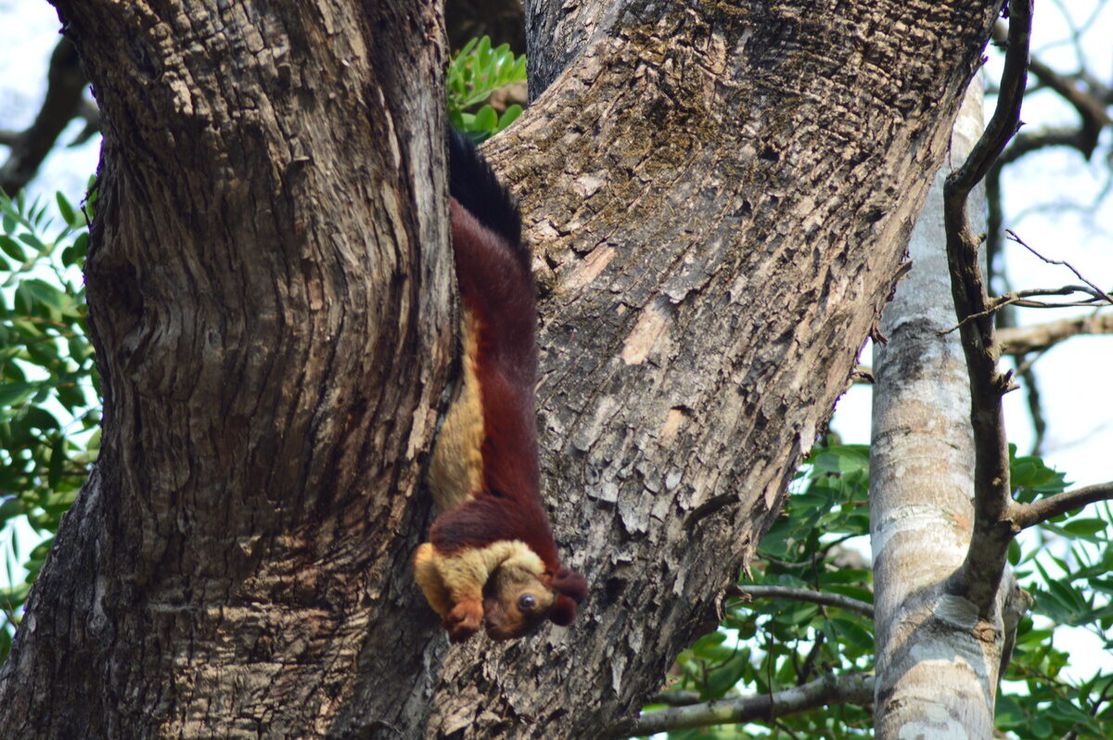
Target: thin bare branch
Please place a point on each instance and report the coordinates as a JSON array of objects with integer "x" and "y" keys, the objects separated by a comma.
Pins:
[
  {"x": 1013, "y": 237},
  {"x": 862, "y": 374},
  {"x": 979, "y": 578},
  {"x": 855, "y": 689},
  {"x": 1027, "y": 515},
  {"x": 823, "y": 598},
  {"x": 1087, "y": 100},
  {"x": 1023, "y": 339},
  {"x": 1023, "y": 298},
  {"x": 1045, "y": 138},
  {"x": 1020, "y": 295},
  {"x": 1006, "y": 117},
  {"x": 676, "y": 698}
]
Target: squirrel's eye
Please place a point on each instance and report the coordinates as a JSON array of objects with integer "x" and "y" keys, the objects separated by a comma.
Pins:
[{"x": 527, "y": 602}]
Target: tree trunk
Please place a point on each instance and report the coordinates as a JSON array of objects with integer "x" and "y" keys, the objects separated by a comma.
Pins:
[
  {"x": 937, "y": 664},
  {"x": 716, "y": 196}
]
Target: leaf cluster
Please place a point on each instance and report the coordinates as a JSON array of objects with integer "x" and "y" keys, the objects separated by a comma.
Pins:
[
  {"x": 49, "y": 394},
  {"x": 766, "y": 645},
  {"x": 1066, "y": 566},
  {"x": 474, "y": 74}
]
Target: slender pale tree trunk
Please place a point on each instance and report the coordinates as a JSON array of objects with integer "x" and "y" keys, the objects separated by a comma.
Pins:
[{"x": 937, "y": 664}]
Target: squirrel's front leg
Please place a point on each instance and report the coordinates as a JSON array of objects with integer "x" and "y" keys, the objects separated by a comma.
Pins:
[
  {"x": 453, "y": 586},
  {"x": 465, "y": 619}
]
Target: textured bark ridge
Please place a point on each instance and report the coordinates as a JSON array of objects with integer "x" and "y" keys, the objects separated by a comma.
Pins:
[
  {"x": 718, "y": 203},
  {"x": 268, "y": 288},
  {"x": 718, "y": 197}
]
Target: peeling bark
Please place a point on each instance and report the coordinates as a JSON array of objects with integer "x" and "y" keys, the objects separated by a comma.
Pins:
[{"x": 717, "y": 198}]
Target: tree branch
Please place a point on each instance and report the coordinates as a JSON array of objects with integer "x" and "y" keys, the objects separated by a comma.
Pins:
[
  {"x": 1023, "y": 298},
  {"x": 1024, "y": 339},
  {"x": 1090, "y": 106},
  {"x": 856, "y": 689},
  {"x": 1105, "y": 296},
  {"x": 676, "y": 698},
  {"x": 1037, "y": 512},
  {"x": 750, "y": 591},
  {"x": 979, "y": 577},
  {"x": 66, "y": 83}
]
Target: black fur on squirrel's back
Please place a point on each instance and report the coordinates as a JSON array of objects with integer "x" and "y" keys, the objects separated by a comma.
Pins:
[{"x": 474, "y": 185}]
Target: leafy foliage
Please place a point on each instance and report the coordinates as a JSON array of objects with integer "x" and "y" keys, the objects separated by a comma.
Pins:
[
  {"x": 768, "y": 645},
  {"x": 477, "y": 71},
  {"x": 1067, "y": 569},
  {"x": 49, "y": 408}
]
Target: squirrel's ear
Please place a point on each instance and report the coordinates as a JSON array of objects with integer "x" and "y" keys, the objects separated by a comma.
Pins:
[
  {"x": 569, "y": 583},
  {"x": 563, "y": 612},
  {"x": 571, "y": 589}
]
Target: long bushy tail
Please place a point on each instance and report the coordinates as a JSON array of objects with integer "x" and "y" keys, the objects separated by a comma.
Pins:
[{"x": 473, "y": 184}]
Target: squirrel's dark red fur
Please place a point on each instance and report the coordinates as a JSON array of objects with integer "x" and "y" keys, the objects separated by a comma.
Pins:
[{"x": 493, "y": 522}]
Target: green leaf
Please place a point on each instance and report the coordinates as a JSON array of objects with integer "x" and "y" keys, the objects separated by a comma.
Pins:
[
  {"x": 854, "y": 632},
  {"x": 13, "y": 394},
  {"x": 1085, "y": 527},
  {"x": 75, "y": 253},
  {"x": 509, "y": 116},
  {"x": 32, "y": 241},
  {"x": 720, "y": 680},
  {"x": 57, "y": 462},
  {"x": 69, "y": 215},
  {"x": 12, "y": 248},
  {"x": 10, "y": 507},
  {"x": 486, "y": 119}
]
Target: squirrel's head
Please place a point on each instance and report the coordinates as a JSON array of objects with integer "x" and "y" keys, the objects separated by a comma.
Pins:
[{"x": 517, "y": 599}]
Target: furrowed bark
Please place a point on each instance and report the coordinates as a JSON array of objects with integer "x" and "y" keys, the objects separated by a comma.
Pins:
[{"x": 268, "y": 288}]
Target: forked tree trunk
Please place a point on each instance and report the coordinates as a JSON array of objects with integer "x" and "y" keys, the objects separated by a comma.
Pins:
[
  {"x": 717, "y": 196},
  {"x": 937, "y": 664}
]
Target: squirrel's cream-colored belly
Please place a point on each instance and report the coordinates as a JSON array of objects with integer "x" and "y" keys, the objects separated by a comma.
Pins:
[{"x": 457, "y": 466}]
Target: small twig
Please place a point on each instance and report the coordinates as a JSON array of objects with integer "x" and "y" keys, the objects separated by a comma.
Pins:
[
  {"x": 801, "y": 594},
  {"x": 1089, "y": 104},
  {"x": 805, "y": 671},
  {"x": 1026, "y": 366},
  {"x": 1027, "y": 515},
  {"x": 1105, "y": 296},
  {"x": 1028, "y": 303},
  {"x": 1023, "y": 299},
  {"x": 855, "y": 689}
]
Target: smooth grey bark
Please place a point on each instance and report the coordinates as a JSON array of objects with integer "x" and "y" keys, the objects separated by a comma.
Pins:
[
  {"x": 716, "y": 196},
  {"x": 937, "y": 663}
]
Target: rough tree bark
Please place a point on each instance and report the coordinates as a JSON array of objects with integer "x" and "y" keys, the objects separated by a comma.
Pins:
[
  {"x": 937, "y": 663},
  {"x": 268, "y": 287},
  {"x": 717, "y": 196}
]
